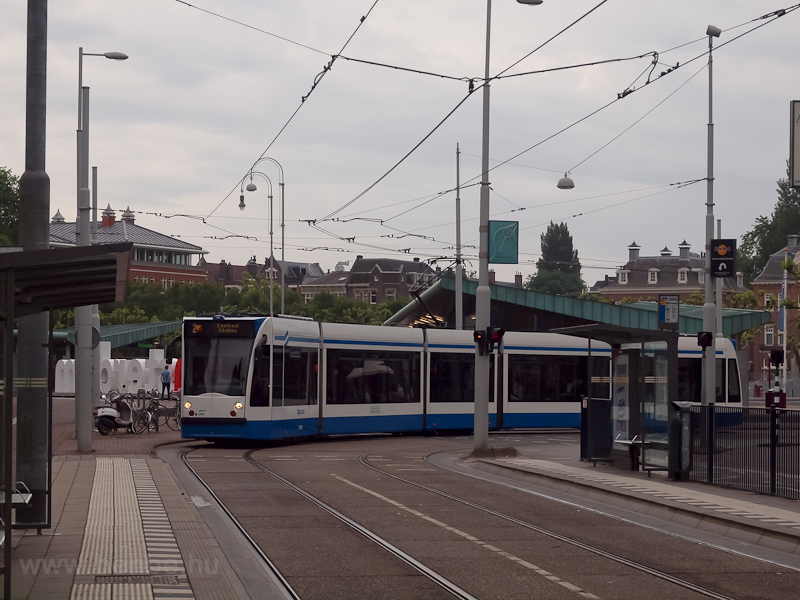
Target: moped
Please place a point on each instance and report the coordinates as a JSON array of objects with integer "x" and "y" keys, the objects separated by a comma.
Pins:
[{"x": 116, "y": 412}]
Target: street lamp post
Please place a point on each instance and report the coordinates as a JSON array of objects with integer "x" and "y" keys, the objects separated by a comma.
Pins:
[
  {"x": 708, "y": 395},
  {"x": 483, "y": 293},
  {"x": 251, "y": 187},
  {"x": 283, "y": 220},
  {"x": 83, "y": 314}
]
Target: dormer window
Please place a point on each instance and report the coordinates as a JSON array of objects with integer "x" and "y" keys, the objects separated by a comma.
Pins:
[
  {"x": 683, "y": 275},
  {"x": 623, "y": 277},
  {"x": 652, "y": 276}
]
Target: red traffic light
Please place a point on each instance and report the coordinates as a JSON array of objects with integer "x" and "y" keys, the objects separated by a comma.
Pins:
[
  {"x": 494, "y": 335},
  {"x": 705, "y": 339},
  {"x": 480, "y": 339}
]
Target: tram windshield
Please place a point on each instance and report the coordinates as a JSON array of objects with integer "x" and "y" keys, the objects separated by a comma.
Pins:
[{"x": 216, "y": 365}]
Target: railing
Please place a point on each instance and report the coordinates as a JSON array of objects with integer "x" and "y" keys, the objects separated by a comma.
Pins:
[{"x": 752, "y": 449}]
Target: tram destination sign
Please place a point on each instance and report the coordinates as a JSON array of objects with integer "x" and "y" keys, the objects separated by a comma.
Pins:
[
  {"x": 220, "y": 329},
  {"x": 723, "y": 258}
]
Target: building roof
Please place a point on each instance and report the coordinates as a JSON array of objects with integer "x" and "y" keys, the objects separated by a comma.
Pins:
[
  {"x": 638, "y": 269},
  {"x": 130, "y": 333},
  {"x": 363, "y": 267},
  {"x": 63, "y": 234},
  {"x": 639, "y": 315},
  {"x": 308, "y": 271},
  {"x": 331, "y": 279},
  {"x": 773, "y": 271}
]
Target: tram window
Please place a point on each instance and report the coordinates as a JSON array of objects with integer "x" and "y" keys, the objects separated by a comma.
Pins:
[
  {"x": 361, "y": 377},
  {"x": 259, "y": 392},
  {"x": 734, "y": 394},
  {"x": 297, "y": 374},
  {"x": 546, "y": 378},
  {"x": 452, "y": 377},
  {"x": 217, "y": 365}
]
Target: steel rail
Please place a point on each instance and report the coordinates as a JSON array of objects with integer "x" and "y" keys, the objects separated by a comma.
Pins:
[
  {"x": 442, "y": 582},
  {"x": 567, "y": 540},
  {"x": 290, "y": 593}
]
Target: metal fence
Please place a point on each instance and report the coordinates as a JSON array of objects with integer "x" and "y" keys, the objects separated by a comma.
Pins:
[{"x": 753, "y": 449}]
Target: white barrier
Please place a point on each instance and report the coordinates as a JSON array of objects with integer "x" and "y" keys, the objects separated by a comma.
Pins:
[{"x": 118, "y": 374}]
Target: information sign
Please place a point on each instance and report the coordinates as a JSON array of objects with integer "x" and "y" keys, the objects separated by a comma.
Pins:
[
  {"x": 504, "y": 242},
  {"x": 668, "y": 311},
  {"x": 723, "y": 258}
]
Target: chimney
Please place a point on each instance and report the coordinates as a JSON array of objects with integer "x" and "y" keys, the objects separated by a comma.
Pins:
[
  {"x": 518, "y": 280},
  {"x": 666, "y": 251},
  {"x": 491, "y": 276},
  {"x": 109, "y": 217},
  {"x": 633, "y": 251},
  {"x": 128, "y": 216},
  {"x": 792, "y": 240},
  {"x": 684, "y": 247}
]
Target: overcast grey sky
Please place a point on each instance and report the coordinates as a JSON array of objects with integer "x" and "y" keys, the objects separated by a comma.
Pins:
[{"x": 203, "y": 96}]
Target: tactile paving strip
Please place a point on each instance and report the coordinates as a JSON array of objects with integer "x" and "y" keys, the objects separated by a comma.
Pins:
[{"x": 128, "y": 544}]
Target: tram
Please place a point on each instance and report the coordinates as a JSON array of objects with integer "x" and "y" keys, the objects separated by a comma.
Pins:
[{"x": 278, "y": 378}]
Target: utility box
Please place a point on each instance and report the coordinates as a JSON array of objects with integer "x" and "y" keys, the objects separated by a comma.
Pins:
[
  {"x": 680, "y": 441},
  {"x": 776, "y": 399}
]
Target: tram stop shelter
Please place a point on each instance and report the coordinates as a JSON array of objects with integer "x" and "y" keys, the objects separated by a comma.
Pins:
[
  {"x": 35, "y": 282},
  {"x": 645, "y": 364}
]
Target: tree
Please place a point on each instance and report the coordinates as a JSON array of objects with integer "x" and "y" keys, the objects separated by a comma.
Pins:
[
  {"x": 9, "y": 208},
  {"x": 769, "y": 233},
  {"x": 558, "y": 271}
]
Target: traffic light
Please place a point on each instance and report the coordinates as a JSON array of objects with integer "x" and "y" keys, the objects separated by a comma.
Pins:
[
  {"x": 494, "y": 335},
  {"x": 480, "y": 339},
  {"x": 704, "y": 339},
  {"x": 776, "y": 357}
]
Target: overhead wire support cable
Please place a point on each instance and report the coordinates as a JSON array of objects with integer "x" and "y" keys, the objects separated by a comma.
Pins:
[{"x": 317, "y": 80}]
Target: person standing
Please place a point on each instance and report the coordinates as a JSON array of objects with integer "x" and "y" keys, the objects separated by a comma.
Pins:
[{"x": 165, "y": 375}]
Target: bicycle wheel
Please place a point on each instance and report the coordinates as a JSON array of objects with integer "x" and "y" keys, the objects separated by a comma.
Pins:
[
  {"x": 140, "y": 421},
  {"x": 174, "y": 418},
  {"x": 163, "y": 415}
]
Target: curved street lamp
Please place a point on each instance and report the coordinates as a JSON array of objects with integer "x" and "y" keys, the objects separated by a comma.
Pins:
[{"x": 251, "y": 187}]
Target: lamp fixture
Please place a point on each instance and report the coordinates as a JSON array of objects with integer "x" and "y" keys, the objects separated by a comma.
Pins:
[{"x": 565, "y": 183}]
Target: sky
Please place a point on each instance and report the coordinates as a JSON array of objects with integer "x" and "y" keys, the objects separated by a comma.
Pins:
[{"x": 367, "y": 140}]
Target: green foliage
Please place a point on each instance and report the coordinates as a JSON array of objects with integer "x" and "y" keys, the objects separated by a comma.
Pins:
[
  {"x": 335, "y": 309},
  {"x": 122, "y": 316},
  {"x": 558, "y": 271},
  {"x": 769, "y": 233},
  {"x": 9, "y": 208}
]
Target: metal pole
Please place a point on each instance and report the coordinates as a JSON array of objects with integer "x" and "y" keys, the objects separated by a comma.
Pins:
[
  {"x": 718, "y": 282},
  {"x": 483, "y": 293},
  {"x": 783, "y": 325},
  {"x": 459, "y": 268},
  {"x": 271, "y": 261},
  {"x": 34, "y": 234},
  {"x": 709, "y": 310},
  {"x": 83, "y": 314},
  {"x": 283, "y": 246}
]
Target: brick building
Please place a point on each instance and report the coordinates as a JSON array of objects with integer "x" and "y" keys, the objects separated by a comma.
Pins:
[
  {"x": 645, "y": 277},
  {"x": 157, "y": 258}
]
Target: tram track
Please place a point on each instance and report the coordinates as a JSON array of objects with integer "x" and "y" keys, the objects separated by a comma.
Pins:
[
  {"x": 435, "y": 577},
  {"x": 364, "y": 459},
  {"x": 280, "y": 580},
  {"x": 445, "y": 584}
]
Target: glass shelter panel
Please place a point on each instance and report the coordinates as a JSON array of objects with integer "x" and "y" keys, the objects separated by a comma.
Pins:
[{"x": 655, "y": 406}]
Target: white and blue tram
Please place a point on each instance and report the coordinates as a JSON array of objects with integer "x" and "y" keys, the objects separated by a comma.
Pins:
[{"x": 279, "y": 378}]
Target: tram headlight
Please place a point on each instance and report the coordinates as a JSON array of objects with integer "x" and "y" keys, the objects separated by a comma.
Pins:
[
  {"x": 238, "y": 406},
  {"x": 187, "y": 405}
]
